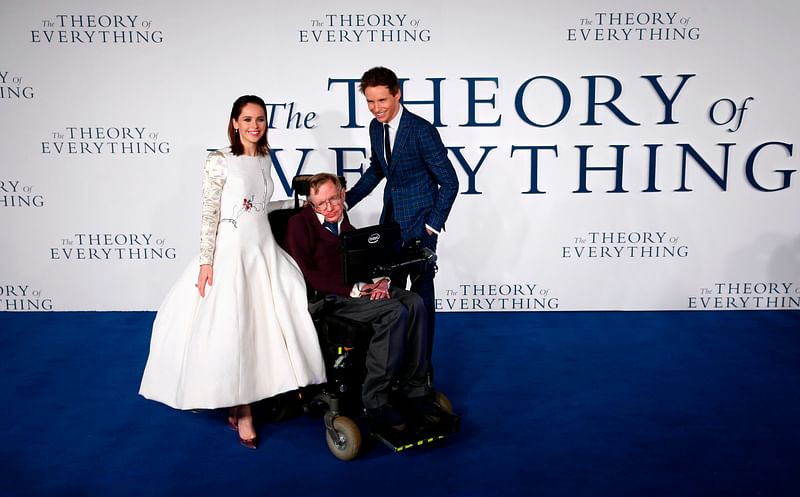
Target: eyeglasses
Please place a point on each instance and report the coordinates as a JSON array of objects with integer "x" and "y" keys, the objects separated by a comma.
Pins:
[{"x": 327, "y": 204}]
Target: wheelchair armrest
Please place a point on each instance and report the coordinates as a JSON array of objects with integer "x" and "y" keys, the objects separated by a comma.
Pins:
[{"x": 320, "y": 305}]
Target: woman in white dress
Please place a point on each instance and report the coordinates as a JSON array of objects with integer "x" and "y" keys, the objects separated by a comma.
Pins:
[{"x": 239, "y": 331}]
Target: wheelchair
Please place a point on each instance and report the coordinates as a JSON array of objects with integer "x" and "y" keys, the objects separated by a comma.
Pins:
[{"x": 344, "y": 345}]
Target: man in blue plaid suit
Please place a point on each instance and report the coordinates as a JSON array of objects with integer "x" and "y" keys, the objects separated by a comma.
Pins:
[{"x": 421, "y": 184}]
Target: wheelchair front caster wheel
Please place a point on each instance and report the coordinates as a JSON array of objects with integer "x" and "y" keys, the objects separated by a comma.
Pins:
[{"x": 346, "y": 442}]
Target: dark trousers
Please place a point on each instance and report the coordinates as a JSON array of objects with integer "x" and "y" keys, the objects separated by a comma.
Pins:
[
  {"x": 398, "y": 350},
  {"x": 420, "y": 277}
]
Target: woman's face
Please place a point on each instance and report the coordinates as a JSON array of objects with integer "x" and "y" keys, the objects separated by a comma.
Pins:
[{"x": 252, "y": 124}]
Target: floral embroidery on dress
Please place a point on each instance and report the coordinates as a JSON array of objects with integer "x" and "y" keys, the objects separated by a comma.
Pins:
[{"x": 248, "y": 205}]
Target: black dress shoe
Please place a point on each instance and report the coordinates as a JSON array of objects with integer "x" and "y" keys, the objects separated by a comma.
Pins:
[
  {"x": 425, "y": 406},
  {"x": 388, "y": 416}
]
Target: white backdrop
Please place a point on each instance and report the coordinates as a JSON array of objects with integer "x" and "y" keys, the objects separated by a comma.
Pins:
[{"x": 691, "y": 109}]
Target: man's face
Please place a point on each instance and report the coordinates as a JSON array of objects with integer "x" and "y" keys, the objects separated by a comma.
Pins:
[
  {"x": 328, "y": 200},
  {"x": 383, "y": 105}
]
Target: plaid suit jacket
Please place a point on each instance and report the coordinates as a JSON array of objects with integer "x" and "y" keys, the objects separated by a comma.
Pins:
[{"x": 421, "y": 183}]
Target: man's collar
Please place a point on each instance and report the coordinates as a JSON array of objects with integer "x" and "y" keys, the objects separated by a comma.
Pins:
[{"x": 395, "y": 122}]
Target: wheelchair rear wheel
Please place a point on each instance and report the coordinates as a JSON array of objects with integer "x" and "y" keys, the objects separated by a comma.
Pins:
[
  {"x": 281, "y": 407},
  {"x": 347, "y": 441}
]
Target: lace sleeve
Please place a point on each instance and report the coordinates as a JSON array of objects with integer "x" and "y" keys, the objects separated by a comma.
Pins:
[{"x": 213, "y": 180}]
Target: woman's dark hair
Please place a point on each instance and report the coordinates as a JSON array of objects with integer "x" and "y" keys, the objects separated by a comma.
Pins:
[
  {"x": 379, "y": 76},
  {"x": 262, "y": 147}
]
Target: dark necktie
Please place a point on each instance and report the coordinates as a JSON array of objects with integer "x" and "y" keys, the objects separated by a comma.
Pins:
[
  {"x": 332, "y": 227},
  {"x": 386, "y": 147}
]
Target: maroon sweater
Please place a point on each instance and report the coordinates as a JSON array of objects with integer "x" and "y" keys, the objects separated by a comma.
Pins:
[{"x": 317, "y": 251}]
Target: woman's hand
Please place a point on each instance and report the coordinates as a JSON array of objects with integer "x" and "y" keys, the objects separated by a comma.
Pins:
[{"x": 206, "y": 276}]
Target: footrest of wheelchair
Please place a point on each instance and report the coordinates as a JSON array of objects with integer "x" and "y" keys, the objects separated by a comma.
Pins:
[{"x": 416, "y": 436}]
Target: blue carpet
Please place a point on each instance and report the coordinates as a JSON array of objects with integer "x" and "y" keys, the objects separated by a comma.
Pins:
[{"x": 569, "y": 404}]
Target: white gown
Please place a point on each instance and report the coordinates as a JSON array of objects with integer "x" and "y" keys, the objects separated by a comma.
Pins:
[{"x": 251, "y": 337}]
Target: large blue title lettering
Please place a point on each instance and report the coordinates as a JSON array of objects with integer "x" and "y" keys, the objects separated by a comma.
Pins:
[{"x": 766, "y": 166}]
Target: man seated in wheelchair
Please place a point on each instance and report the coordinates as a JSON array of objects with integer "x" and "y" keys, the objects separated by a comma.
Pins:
[{"x": 397, "y": 351}]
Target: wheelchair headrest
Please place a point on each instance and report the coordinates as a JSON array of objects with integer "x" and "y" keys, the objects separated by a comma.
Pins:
[{"x": 300, "y": 184}]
